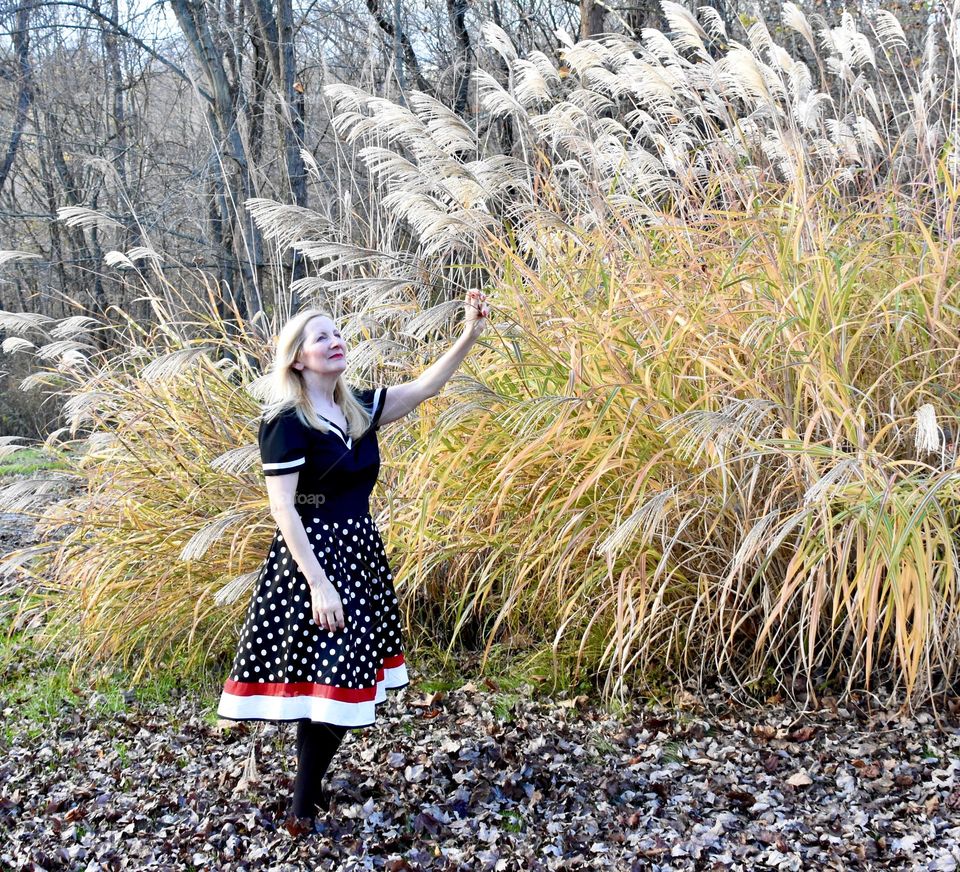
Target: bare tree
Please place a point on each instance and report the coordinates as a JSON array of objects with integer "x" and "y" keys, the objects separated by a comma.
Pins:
[{"x": 24, "y": 79}]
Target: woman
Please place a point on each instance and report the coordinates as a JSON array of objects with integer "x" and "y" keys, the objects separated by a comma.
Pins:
[{"x": 321, "y": 642}]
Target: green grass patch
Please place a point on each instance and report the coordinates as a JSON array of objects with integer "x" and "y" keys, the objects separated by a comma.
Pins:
[
  {"x": 30, "y": 460},
  {"x": 38, "y": 685},
  {"x": 512, "y": 820}
]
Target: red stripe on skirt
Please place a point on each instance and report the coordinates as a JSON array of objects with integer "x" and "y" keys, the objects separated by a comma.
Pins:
[{"x": 310, "y": 688}]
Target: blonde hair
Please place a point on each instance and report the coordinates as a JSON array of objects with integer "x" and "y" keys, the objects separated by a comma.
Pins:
[{"x": 288, "y": 390}]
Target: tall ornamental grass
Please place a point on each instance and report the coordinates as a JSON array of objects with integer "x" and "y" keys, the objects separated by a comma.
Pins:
[{"x": 710, "y": 435}]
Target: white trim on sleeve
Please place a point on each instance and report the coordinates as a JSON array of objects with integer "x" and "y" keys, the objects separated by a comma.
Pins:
[{"x": 286, "y": 464}]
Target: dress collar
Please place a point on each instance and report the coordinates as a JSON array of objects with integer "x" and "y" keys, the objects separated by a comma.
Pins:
[{"x": 347, "y": 440}]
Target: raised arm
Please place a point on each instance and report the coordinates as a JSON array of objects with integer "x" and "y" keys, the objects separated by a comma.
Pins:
[{"x": 403, "y": 398}]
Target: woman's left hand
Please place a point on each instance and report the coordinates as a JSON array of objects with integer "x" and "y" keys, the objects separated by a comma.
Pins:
[{"x": 475, "y": 313}]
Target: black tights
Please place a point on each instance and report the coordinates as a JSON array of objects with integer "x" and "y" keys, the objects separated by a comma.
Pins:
[{"x": 316, "y": 744}]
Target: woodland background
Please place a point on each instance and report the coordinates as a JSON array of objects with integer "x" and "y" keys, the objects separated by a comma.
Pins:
[{"x": 168, "y": 116}]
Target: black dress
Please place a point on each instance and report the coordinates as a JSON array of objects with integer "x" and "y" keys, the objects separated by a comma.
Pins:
[{"x": 286, "y": 666}]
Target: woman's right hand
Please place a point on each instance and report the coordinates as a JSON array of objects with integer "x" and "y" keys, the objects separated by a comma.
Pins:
[{"x": 326, "y": 605}]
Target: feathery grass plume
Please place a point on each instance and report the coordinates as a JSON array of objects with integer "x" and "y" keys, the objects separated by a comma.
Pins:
[
  {"x": 175, "y": 363},
  {"x": 604, "y": 80},
  {"x": 59, "y": 348},
  {"x": 20, "y": 496},
  {"x": 497, "y": 38},
  {"x": 532, "y": 86},
  {"x": 75, "y": 325},
  {"x": 889, "y": 31},
  {"x": 80, "y": 216},
  {"x": 687, "y": 33},
  {"x": 587, "y": 54},
  {"x": 392, "y": 166},
  {"x": 85, "y": 406},
  {"x": 494, "y": 100},
  {"x": 211, "y": 532},
  {"x": 405, "y": 126},
  {"x": 447, "y": 130},
  {"x": 844, "y": 138},
  {"x": 927, "y": 430},
  {"x": 427, "y": 322},
  {"x": 713, "y": 22},
  {"x": 502, "y": 176},
  {"x": 851, "y": 44},
  {"x": 236, "y": 588},
  {"x": 340, "y": 255},
  {"x": 748, "y": 78},
  {"x": 867, "y": 135},
  {"x": 846, "y": 470},
  {"x": 310, "y": 162},
  {"x": 376, "y": 290},
  {"x": 346, "y": 100},
  {"x": 21, "y": 322},
  {"x": 794, "y": 18},
  {"x": 645, "y": 520},
  {"x": 72, "y": 357},
  {"x": 661, "y": 49},
  {"x": 118, "y": 260},
  {"x": 761, "y": 42},
  {"x": 8, "y": 443},
  {"x": 809, "y": 108},
  {"x": 40, "y": 379},
  {"x": 237, "y": 460},
  {"x": 145, "y": 252},
  {"x": 753, "y": 543},
  {"x": 283, "y": 223},
  {"x": 13, "y": 344},
  {"x": 13, "y": 256}
]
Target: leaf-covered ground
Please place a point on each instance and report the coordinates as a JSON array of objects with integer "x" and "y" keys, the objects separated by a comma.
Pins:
[{"x": 445, "y": 782}]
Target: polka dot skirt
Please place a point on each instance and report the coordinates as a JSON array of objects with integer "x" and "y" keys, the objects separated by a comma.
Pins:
[{"x": 287, "y": 667}]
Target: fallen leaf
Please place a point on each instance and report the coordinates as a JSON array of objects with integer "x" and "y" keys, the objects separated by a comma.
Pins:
[
  {"x": 741, "y": 797},
  {"x": 250, "y": 775},
  {"x": 802, "y": 734}
]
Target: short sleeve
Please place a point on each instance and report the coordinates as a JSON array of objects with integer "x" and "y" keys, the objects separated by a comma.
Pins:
[
  {"x": 283, "y": 444},
  {"x": 372, "y": 399}
]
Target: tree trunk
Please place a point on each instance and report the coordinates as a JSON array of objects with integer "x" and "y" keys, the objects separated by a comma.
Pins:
[
  {"x": 644, "y": 13},
  {"x": 118, "y": 118},
  {"x": 409, "y": 56},
  {"x": 21, "y": 47},
  {"x": 275, "y": 38},
  {"x": 457, "y": 10},
  {"x": 592, "y": 14},
  {"x": 505, "y": 125},
  {"x": 246, "y": 247},
  {"x": 50, "y": 194}
]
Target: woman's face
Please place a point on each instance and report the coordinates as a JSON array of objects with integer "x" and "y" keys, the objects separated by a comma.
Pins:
[{"x": 324, "y": 351}]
